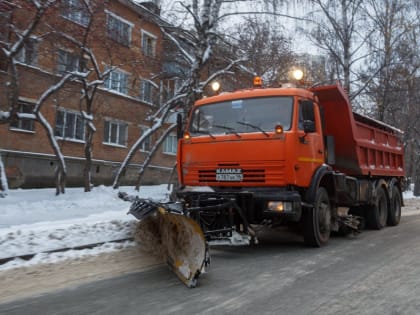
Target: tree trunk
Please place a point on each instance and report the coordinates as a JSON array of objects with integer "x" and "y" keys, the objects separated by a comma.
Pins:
[
  {"x": 87, "y": 173},
  {"x": 417, "y": 186},
  {"x": 416, "y": 191},
  {"x": 151, "y": 154},
  {"x": 136, "y": 146},
  {"x": 346, "y": 47},
  {"x": 60, "y": 180},
  {"x": 61, "y": 170},
  {"x": 4, "y": 187}
]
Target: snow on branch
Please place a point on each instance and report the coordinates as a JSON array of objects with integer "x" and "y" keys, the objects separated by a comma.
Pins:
[
  {"x": 222, "y": 71},
  {"x": 207, "y": 53},
  {"x": 4, "y": 115},
  {"x": 158, "y": 123},
  {"x": 23, "y": 36},
  {"x": 50, "y": 132},
  {"x": 92, "y": 126},
  {"x": 86, "y": 116},
  {"x": 52, "y": 89},
  {"x": 191, "y": 59},
  {"x": 150, "y": 81},
  {"x": 184, "y": 35},
  {"x": 3, "y": 179},
  {"x": 152, "y": 152},
  {"x": 95, "y": 82},
  {"x": 169, "y": 104}
]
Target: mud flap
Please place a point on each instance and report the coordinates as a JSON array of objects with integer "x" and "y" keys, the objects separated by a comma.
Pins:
[{"x": 182, "y": 241}]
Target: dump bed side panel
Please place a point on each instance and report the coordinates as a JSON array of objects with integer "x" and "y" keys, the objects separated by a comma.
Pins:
[
  {"x": 363, "y": 146},
  {"x": 379, "y": 150}
]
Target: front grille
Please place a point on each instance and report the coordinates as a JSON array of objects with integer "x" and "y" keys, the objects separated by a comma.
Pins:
[{"x": 262, "y": 173}]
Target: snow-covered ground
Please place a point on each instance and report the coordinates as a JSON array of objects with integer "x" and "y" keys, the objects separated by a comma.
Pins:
[{"x": 35, "y": 221}]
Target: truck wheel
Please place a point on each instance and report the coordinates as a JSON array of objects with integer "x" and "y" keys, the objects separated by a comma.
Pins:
[
  {"x": 378, "y": 214},
  {"x": 317, "y": 221},
  {"x": 394, "y": 212}
]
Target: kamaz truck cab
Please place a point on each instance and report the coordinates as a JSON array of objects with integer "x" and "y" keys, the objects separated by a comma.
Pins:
[{"x": 286, "y": 155}]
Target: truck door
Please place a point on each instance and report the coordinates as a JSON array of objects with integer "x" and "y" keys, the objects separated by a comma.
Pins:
[{"x": 310, "y": 147}]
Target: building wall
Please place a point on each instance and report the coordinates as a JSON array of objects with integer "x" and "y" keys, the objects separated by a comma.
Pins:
[
  {"x": 28, "y": 156},
  {"x": 33, "y": 170}
]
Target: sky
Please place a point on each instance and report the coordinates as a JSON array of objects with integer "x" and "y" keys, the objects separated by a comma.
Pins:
[{"x": 300, "y": 43}]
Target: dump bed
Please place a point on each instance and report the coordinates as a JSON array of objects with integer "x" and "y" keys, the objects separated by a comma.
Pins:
[{"x": 363, "y": 146}]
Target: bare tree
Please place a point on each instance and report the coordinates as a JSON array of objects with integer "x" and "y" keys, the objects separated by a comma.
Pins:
[
  {"x": 266, "y": 49},
  {"x": 13, "y": 45},
  {"x": 90, "y": 82},
  {"x": 42, "y": 25},
  {"x": 61, "y": 170},
  {"x": 394, "y": 90},
  {"x": 195, "y": 46},
  {"x": 338, "y": 31},
  {"x": 392, "y": 22}
]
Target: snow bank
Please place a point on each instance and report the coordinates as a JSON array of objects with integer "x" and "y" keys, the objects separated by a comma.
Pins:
[{"x": 35, "y": 220}]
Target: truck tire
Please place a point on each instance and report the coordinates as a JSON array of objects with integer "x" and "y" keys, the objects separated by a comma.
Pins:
[
  {"x": 317, "y": 221},
  {"x": 377, "y": 214},
  {"x": 394, "y": 212}
]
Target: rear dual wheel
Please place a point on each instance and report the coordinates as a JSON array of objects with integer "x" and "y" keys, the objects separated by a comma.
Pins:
[
  {"x": 317, "y": 221},
  {"x": 394, "y": 213},
  {"x": 377, "y": 214}
]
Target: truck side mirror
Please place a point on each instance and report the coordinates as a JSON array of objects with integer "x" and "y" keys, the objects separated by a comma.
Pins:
[
  {"x": 179, "y": 129},
  {"x": 308, "y": 115}
]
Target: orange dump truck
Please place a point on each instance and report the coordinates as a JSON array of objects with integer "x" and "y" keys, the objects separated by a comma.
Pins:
[{"x": 288, "y": 156}]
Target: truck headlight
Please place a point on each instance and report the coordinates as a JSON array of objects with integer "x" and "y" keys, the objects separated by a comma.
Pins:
[{"x": 280, "y": 206}]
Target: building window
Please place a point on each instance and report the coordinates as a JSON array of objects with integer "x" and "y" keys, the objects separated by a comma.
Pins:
[
  {"x": 148, "y": 44},
  {"x": 119, "y": 29},
  {"x": 67, "y": 62},
  {"x": 28, "y": 54},
  {"x": 170, "y": 145},
  {"x": 75, "y": 11},
  {"x": 115, "y": 133},
  {"x": 146, "y": 91},
  {"x": 24, "y": 123},
  {"x": 69, "y": 125},
  {"x": 117, "y": 80},
  {"x": 146, "y": 145}
]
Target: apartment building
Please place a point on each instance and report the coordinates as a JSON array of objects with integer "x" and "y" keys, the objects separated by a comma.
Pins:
[{"x": 127, "y": 45}]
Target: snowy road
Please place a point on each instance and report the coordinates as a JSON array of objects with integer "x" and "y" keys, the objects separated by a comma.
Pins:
[{"x": 374, "y": 273}]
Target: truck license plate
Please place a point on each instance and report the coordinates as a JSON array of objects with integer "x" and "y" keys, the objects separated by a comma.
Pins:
[{"x": 229, "y": 175}]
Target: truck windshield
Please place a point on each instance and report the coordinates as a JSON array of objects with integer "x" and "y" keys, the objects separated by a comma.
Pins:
[{"x": 244, "y": 115}]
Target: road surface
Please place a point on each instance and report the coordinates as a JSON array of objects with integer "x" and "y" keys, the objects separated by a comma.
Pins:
[{"x": 377, "y": 272}]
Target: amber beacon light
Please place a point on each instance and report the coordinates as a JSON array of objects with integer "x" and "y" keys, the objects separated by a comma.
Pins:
[
  {"x": 278, "y": 129},
  {"x": 258, "y": 82}
]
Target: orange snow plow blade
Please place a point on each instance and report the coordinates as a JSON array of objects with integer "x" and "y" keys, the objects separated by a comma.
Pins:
[{"x": 178, "y": 239}]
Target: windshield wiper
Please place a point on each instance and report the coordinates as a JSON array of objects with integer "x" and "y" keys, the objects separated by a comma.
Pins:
[
  {"x": 253, "y": 126},
  {"x": 232, "y": 130},
  {"x": 205, "y": 132}
]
